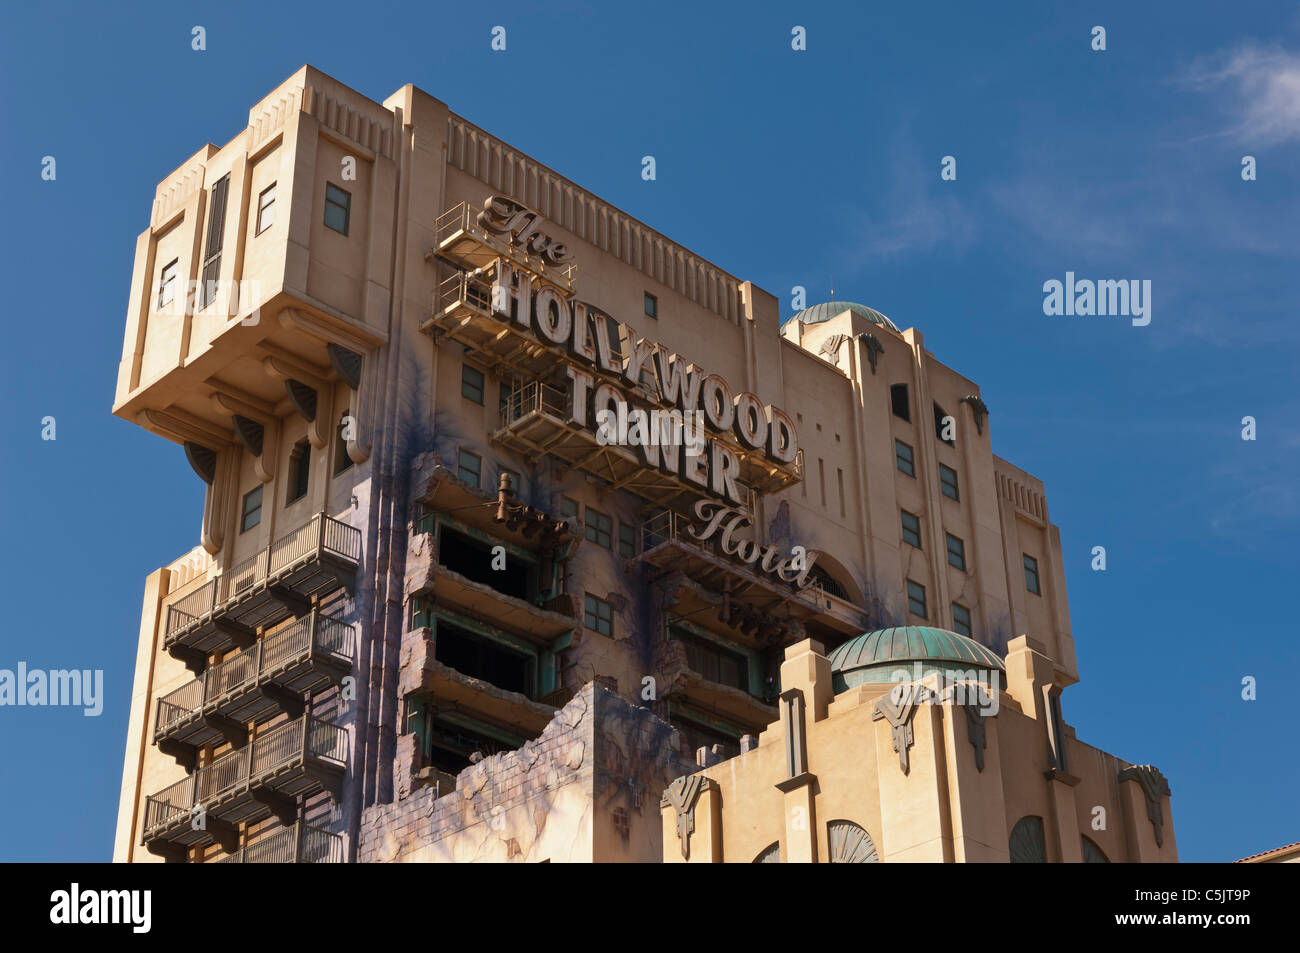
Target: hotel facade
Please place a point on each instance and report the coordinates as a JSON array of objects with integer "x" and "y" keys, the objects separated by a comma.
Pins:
[{"x": 528, "y": 534}]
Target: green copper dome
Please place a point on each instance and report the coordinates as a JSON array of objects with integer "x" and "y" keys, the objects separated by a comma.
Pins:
[
  {"x": 892, "y": 655},
  {"x": 829, "y": 309}
]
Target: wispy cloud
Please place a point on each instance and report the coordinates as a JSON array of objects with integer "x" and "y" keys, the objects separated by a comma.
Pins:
[{"x": 1263, "y": 89}]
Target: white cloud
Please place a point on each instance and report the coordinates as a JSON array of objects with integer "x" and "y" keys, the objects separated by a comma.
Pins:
[{"x": 1264, "y": 83}]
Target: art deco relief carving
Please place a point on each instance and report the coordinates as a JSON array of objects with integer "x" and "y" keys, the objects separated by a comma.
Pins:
[
  {"x": 1154, "y": 788},
  {"x": 682, "y": 796}
]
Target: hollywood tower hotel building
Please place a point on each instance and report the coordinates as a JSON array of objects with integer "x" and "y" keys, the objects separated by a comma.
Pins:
[{"x": 433, "y": 613}]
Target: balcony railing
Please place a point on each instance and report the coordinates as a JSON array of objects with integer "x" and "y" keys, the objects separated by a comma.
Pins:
[
  {"x": 458, "y": 236},
  {"x": 299, "y": 844},
  {"x": 303, "y": 656},
  {"x": 299, "y": 758},
  {"x": 313, "y": 559}
]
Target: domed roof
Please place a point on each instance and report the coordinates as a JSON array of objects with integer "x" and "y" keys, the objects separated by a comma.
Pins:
[
  {"x": 890, "y": 655},
  {"x": 829, "y": 309}
]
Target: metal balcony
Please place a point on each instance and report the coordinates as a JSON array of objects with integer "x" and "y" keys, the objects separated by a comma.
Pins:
[
  {"x": 462, "y": 311},
  {"x": 300, "y": 758},
  {"x": 268, "y": 677},
  {"x": 461, "y": 240},
  {"x": 313, "y": 560},
  {"x": 536, "y": 420},
  {"x": 759, "y": 602},
  {"x": 299, "y": 844}
]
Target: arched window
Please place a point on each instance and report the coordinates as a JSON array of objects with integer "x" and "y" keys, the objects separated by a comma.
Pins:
[
  {"x": 1027, "y": 845},
  {"x": 770, "y": 855},
  {"x": 828, "y": 582},
  {"x": 850, "y": 844},
  {"x": 1092, "y": 854}
]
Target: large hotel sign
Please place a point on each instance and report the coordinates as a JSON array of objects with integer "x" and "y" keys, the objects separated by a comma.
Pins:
[{"x": 602, "y": 381}]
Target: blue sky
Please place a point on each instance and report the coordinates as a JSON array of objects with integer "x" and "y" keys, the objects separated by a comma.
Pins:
[{"x": 786, "y": 168}]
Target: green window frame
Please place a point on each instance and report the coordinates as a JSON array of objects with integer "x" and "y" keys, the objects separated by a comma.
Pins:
[
  {"x": 916, "y": 599},
  {"x": 651, "y": 306},
  {"x": 598, "y": 615},
  {"x": 911, "y": 529},
  {"x": 599, "y": 528},
  {"x": 956, "y": 552},
  {"x": 1031, "y": 575},
  {"x": 252, "y": 511},
  {"x": 961, "y": 620},
  {"x": 472, "y": 384},
  {"x": 469, "y": 467},
  {"x": 338, "y": 208},
  {"x": 948, "y": 482},
  {"x": 904, "y": 458},
  {"x": 626, "y": 540}
]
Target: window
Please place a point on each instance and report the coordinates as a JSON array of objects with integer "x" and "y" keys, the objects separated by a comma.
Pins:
[
  {"x": 338, "y": 208},
  {"x": 651, "y": 306},
  {"x": 1031, "y": 575},
  {"x": 266, "y": 209},
  {"x": 216, "y": 231},
  {"x": 903, "y": 456},
  {"x": 600, "y": 528},
  {"x": 898, "y": 401},
  {"x": 252, "y": 510},
  {"x": 948, "y": 482},
  {"x": 626, "y": 540},
  {"x": 598, "y": 615},
  {"x": 911, "y": 529},
  {"x": 299, "y": 471},
  {"x": 503, "y": 399},
  {"x": 939, "y": 416},
  {"x": 916, "y": 599},
  {"x": 961, "y": 620},
  {"x": 471, "y": 383},
  {"x": 714, "y": 663},
  {"x": 469, "y": 468},
  {"x": 569, "y": 508},
  {"x": 341, "y": 459},
  {"x": 956, "y": 552},
  {"x": 167, "y": 284}
]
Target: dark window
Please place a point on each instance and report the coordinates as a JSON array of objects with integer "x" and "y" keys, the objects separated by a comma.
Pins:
[
  {"x": 651, "y": 305},
  {"x": 338, "y": 208},
  {"x": 903, "y": 456},
  {"x": 473, "y": 559},
  {"x": 479, "y": 657},
  {"x": 911, "y": 529},
  {"x": 956, "y": 552},
  {"x": 341, "y": 459},
  {"x": 600, "y": 528},
  {"x": 1031, "y": 575},
  {"x": 470, "y": 468},
  {"x": 948, "y": 482},
  {"x": 167, "y": 284},
  {"x": 471, "y": 383},
  {"x": 299, "y": 471},
  {"x": 961, "y": 620},
  {"x": 916, "y": 599},
  {"x": 898, "y": 401},
  {"x": 939, "y": 415},
  {"x": 216, "y": 230},
  {"x": 503, "y": 398},
  {"x": 598, "y": 615},
  {"x": 829, "y": 585},
  {"x": 252, "y": 509},
  {"x": 713, "y": 662},
  {"x": 266, "y": 209},
  {"x": 626, "y": 539},
  {"x": 695, "y": 736},
  {"x": 569, "y": 508}
]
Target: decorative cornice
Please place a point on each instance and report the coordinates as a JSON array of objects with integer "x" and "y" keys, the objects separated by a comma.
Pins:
[
  {"x": 1154, "y": 788},
  {"x": 682, "y": 796}
]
